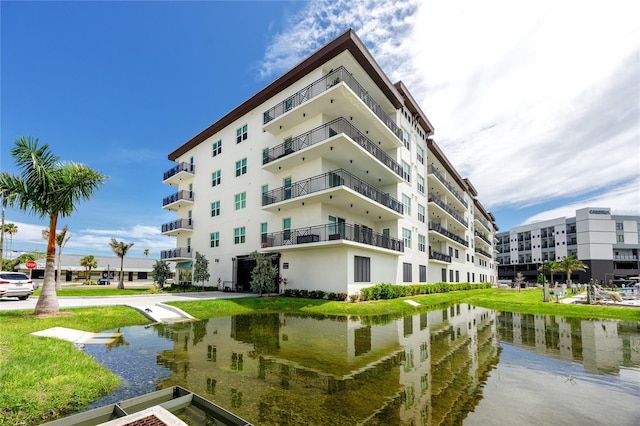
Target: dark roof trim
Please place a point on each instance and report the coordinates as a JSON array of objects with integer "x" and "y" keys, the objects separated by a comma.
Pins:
[
  {"x": 414, "y": 108},
  {"x": 346, "y": 41},
  {"x": 472, "y": 189},
  {"x": 435, "y": 149}
]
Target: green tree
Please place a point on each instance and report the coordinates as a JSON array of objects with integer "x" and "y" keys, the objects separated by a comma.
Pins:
[
  {"x": 161, "y": 271},
  {"x": 263, "y": 275},
  {"x": 120, "y": 248},
  {"x": 201, "y": 269},
  {"x": 551, "y": 266},
  {"x": 5, "y": 202},
  {"x": 10, "y": 229},
  {"x": 10, "y": 264},
  {"x": 88, "y": 263},
  {"x": 48, "y": 188},
  {"x": 570, "y": 264},
  {"x": 61, "y": 241}
]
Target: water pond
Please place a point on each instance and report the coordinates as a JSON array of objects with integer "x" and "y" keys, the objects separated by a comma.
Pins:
[{"x": 457, "y": 365}]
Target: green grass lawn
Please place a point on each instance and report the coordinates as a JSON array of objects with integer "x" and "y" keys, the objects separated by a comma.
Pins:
[{"x": 43, "y": 379}]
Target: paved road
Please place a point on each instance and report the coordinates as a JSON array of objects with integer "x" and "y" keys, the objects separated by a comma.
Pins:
[{"x": 13, "y": 304}]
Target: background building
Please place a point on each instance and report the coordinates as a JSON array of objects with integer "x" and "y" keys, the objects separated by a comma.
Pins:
[
  {"x": 606, "y": 243},
  {"x": 330, "y": 170}
]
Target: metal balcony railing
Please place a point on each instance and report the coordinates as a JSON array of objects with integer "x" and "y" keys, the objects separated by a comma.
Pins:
[
  {"x": 482, "y": 237},
  {"x": 322, "y": 85},
  {"x": 182, "y": 167},
  {"x": 443, "y": 180},
  {"x": 180, "y": 252},
  {"x": 339, "y": 177},
  {"x": 177, "y": 224},
  {"x": 625, "y": 257},
  {"x": 448, "y": 209},
  {"x": 441, "y": 230},
  {"x": 180, "y": 195},
  {"x": 482, "y": 252},
  {"x": 332, "y": 232},
  {"x": 436, "y": 255},
  {"x": 324, "y": 132}
]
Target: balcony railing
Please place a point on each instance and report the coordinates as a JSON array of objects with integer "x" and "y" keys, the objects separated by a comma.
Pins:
[
  {"x": 482, "y": 252},
  {"x": 439, "y": 229},
  {"x": 180, "y": 252},
  {"x": 625, "y": 257},
  {"x": 180, "y": 195},
  {"x": 436, "y": 255},
  {"x": 177, "y": 224},
  {"x": 448, "y": 209},
  {"x": 339, "y": 177},
  {"x": 332, "y": 232},
  {"x": 482, "y": 237},
  {"x": 324, "y": 132},
  {"x": 322, "y": 85},
  {"x": 182, "y": 167},
  {"x": 443, "y": 180},
  {"x": 483, "y": 223}
]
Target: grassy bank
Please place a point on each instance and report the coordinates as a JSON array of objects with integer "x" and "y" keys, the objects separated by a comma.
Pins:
[{"x": 43, "y": 378}]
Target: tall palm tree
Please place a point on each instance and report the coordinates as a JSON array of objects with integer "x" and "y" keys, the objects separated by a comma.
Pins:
[
  {"x": 11, "y": 229},
  {"x": 570, "y": 264},
  {"x": 120, "y": 248},
  {"x": 61, "y": 241},
  {"x": 146, "y": 252},
  {"x": 550, "y": 266},
  {"x": 47, "y": 187},
  {"x": 88, "y": 263}
]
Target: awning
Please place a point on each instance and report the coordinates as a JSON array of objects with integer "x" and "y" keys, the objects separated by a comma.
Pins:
[{"x": 184, "y": 265}]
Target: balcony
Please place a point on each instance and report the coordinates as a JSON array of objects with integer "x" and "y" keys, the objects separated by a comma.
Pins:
[
  {"x": 339, "y": 188},
  {"x": 177, "y": 226},
  {"x": 436, "y": 227},
  {"x": 454, "y": 214},
  {"x": 336, "y": 94},
  {"x": 179, "y": 199},
  {"x": 439, "y": 257},
  {"x": 178, "y": 174},
  {"x": 484, "y": 224},
  {"x": 434, "y": 172},
  {"x": 483, "y": 253},
  {"x": 333, "y": 233},
  {"x": 176, "y": 254},
  {"x": 355, "y": 153},
  {"x": 482, "y": 237}
]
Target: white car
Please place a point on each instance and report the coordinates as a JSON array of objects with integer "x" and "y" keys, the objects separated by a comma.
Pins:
[{"x": 15, "y": 284}]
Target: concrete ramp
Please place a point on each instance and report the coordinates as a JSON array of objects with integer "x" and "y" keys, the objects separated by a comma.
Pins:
[
  {"x": 77, "y": 336},
  {"x": 160, "y": 312}
]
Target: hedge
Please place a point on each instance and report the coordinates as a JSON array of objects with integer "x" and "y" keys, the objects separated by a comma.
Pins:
[{"x": 391, "y": 291}]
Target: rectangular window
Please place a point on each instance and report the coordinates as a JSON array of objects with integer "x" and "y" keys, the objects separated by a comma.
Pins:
[
  {"x": 241, "y": 167},
  {"x": 286, "y": 227},
  {"x": 422, "y": 270},
  {"x": 443, "y": 276},
  {"x": 406, "y": 273},
  {"x": 217, "y": 148},
  {"x": 241, "y": 134},
  {"x": 215, "y": 239},
  {"x": 406, "y": 139},
  {"x": 406, "y": 171},
  {"x": 422, "y": 243},
  {"x": 619, "y": 226},
  {"x": 263, "y": 232},
  {"x": 420, "y": 184},
  {"x": 406, "y": 202},
  {"x": 620, "y": 238},
  {"x": 420, "y": 155},
  {"x": 238, "y": 235},
  {"x": 241, "y": 200},
  {"x": 457, "y": 276},
  {"x": 457, "y": 254},
  {"x": 215, "y": 208},
  {"x": 406, "y": 237},
  {"x": 421, "y": 213},
  {"x": 215, "y": 178},
  {"x": 451, "y": 275},
  {"x": 361, "y": 269}
]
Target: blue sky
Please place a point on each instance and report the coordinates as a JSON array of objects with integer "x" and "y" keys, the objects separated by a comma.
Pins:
[{"x": 536, "y": 103}]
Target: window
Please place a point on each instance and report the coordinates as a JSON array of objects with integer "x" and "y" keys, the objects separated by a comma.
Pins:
[
  {"x": 215, "y": 239},
  {"x": 241, "y": 167},
  {"x": 241, "y": 134},
  {"x": 361, "y": 269},
  {"x": 457, "y": 254},
  {"x": 215, "y": 208},
  {"x": 420, "y": 184},
  {"x": 422, "y": 243},
  {"x": 265, "y": 156},
  {"x": 406, "y": 237},
  {"x": 241, "y": 200},
  {"x": 287, "y": 187},
  {"x": 422, "y": 271},
  {"x": 217, "y": 148},
  {"x": 406, "y": 272},
  {"x": 286, "y": 227},
  {"x": 238, "y": 235},
  {"x": 620, "y": 238},
  {"x": 619, "y": 226},
  {"x": 443, "y": 276},
  {"x": 421, "y": 213},
  {"x": 457, "y": 276},
  {"x": 263, "y": 232},
  {"x": 406, "y": 139},
  {"x": 406, "y": 201},
  {"x": 215, "y": 178},
  {"x": 420, "y": 154},
  {"x": 451, "y": 276},
  {"x": 406, "y": 171}
]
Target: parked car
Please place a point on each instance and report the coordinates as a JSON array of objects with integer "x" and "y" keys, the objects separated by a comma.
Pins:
[
  {"x": 104, "y": 281},
  {"x": 15, "y": 284},
  {"x": 170, "y": 282}
]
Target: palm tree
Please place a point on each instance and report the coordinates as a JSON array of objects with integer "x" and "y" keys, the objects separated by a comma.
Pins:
[
  {"x": 146, "y": 252},
  {"x": 11, "y": 229},
  {"x": 89, "y": 262},
  {"x": 120, "y": 248},
  {"x": 551, "y": 266},
  {"x": 48, "y": 188},
  {"x": 61, "y": 241},
  {"x": 570, "y": 264}
]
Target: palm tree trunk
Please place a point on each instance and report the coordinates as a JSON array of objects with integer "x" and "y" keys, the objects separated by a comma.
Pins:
[
  {"x": 48, "y": 300},
  {"x": 58, "y": 282},
  {"x": 121, "y": 279}
]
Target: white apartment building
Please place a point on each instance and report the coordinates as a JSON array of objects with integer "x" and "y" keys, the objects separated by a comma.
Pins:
[
  {"x": 606, "y": 243},
  {"x": 330, "y": 170}
]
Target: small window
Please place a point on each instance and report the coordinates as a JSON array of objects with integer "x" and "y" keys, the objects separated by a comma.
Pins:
[
  {"x": 420, "y": 184},
  {"x": 420, "y": 155},
  {"x": 406, "y": 171},
  {"x": 241, "y": 200},
  {"x": 263, "y": 232},
  {"x": 215, "y": 178},
  {"x": 406, "y": 237},
  {"x": 620, "y": 238},
  {"x": 406, "y": 202},
  {"x": 443, "y": 276},
  {"x": 619, "y": 226},
  {"x": 215, "y": 239},
  {"x": 362, "y": 269},
  {"x": 241, "y": 167},
  {"x": 217, "y": 148},
  {"x": 242, "y": 133},
  {"x": 215, "y": 208},
  {"x": 421, "y": 213},
  {"x": 422, "y": 243},
  {"x": 239, "y": 235},
  {"x": 406, "y": 273},
  {"x": 422, "y": 270}
]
